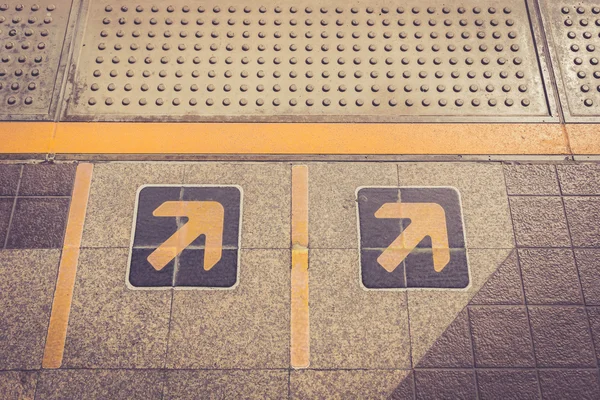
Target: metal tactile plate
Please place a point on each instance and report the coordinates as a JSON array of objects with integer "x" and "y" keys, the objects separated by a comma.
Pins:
[
  {"x": 302, "y": 60},
  {"x": 31, "y": 42},
  {"x": 575, "y": 30}
]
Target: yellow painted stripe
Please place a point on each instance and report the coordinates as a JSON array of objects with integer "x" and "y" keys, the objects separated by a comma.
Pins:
[
  {"x": 63, "y": 295},
  {"x": 26, "y": 137},
  {"x": 300, "y": 333},
  {"x": 252, "y": 138},
  {"x": 584, "y": 138}
]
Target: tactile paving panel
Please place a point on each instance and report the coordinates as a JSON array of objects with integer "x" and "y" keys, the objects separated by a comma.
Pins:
[
  {"x": 303, "y": 61},
  {"x": 575, "y": 35},
  {"x": 31, "y": 42}
]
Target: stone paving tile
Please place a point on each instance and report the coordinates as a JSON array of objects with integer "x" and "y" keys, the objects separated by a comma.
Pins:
[
  {"x": 332, "y": 200},
  {"x": 18, "y": 385},
  {"x": 6, "y": 208},
  {"x": 432, "y": 311},
  {"x": 453, "y": 349},
  {"x": 38, "y": 223},
  {"x": 594, "y": 318},
  {"x": 100, "y": 384},
  {"x": 561, "y": 337},
  {"x": 583, "y": 214},
  {"x": 47, "y": 180},
  {"x": 348, "y": 384},
  {"x": 483, "y": 194},
  {"x": 588, "y": 264},
  {"x": 532, "y": 179},
  {"x": 539, "y": 221},
  {"x": 504, "y": 286},
  {"x": 351, "y": 327},
  {"x": 246, "y": 384},
  {"x": 111, "y": 326},
  {"x": 245, "y": 327},
  {"x": 501, "y": 336},
  {"x": 266, "y": 199},
  {"x": 569, "y": 384},
  {"x": 27, "y": 279},
  {"x": 445, "y": 384},
  {"x": 9, "y": 179},
  {"x": 112, "y": 199},
  {"x": 579, "y": 179},
  {"x": 518, "y": 384},
  {"x": 550, "y": 276}
]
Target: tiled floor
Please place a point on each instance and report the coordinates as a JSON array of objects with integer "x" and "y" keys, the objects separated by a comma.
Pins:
[{"x": 528, "y": 326}]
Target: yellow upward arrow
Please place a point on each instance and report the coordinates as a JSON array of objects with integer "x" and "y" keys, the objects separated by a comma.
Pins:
[
  {"x": 426, "y": 219},
  {"x": 204, "y": 217}
]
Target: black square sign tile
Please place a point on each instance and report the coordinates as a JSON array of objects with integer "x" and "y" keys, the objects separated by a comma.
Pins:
[
  {"x": 411, "y": 237},
  {"x": 186, "y": 236}
]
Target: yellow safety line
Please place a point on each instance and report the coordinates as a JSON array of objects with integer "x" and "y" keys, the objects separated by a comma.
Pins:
[
  {"x": 300, "y": 334},
  {"x": 292, "y": 138},
  {"x": 63, "y": 295},
  {"x": 26, "y": 137},
  {"x": 584, "y": 138}
]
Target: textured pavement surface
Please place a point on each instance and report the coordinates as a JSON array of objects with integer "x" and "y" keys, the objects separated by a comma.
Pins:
[{"x": 527, "y": 327}]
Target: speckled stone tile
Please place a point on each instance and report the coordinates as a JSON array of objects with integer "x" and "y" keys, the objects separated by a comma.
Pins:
[
  {"x": 18, "y": 385},
  {"x": 588, "y": 264},
  {"x": 332, "y": 200},
  {"x": 550, "y": 276},
  {"x": 218, "y": 384},
  {"x": 38, "y": 223},
  {"x": 27, "y": 280},
  {"x": 539, "y": 221},
  {"x": 483, "y": 195},
  {"x": 579, "y": 179},
  {"x": 561, "y": 337},
  {"x": 348, "y": 384},
  {"x": 583, "y": 214},
  {"x": 111, "y": 326},
  {"x": 351, "y": 327},
  {"x": 110, "y": 209},
  {"x": 432, "y": 311},
  {"x": 570, "y": 384},
  {"x": 519, "y": 384},
  {"x": 266, "y": 200},
  {"x": 47, "y": 180},
  {"x": 100, "y": 384},
  {"x": 244, "y": 327},
  {"x": 445, "y": 384},
  {"x": 9, "y": 179},
  {"x": 531, "y": 179},
  {"x": 501, "y": 336}
]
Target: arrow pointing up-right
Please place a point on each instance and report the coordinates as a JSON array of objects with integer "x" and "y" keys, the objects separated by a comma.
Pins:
[{"x": 426, "y": 219}]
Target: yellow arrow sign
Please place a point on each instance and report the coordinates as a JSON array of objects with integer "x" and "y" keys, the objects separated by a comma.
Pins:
[
  {"x": 204, "y": 217},
  {"x": 426, "y": 219}
]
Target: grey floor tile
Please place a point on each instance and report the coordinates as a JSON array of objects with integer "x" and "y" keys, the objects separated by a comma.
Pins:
[
  {"x": 579, "y": 179},
  {"x": 504, "y": 286},
  {"x": 531, "y": 179},
  {"x": 445, "y": 384},
  {"x": 110, "y": 325},
  {"x": 561, "y": 337},
  {"x": 352, "y": 327},
  {"x": 47, "y": 180},
  {"x": 349, "y": 384},
  {"x": 100, "y": 384},
  {"x": 244, "y": 327},
  {"x": 594, "y": 318},
  {"x": 332, "y": 200},
  {"x": 539, "y": 222},
  {"x": 6, "y": 208},
  {"x": 583, "y": 214},
  {"x": 550, "y": 276},
  {"x": 38, "y": 223},
  {"x": 218, "y": 384},
  {"x": 588, "y": 264},
  {"x": 520, "y": 384},
  {"x": 570, "y": 384},
  {"x": 27, "y": 281},
  {"x": 267, "y": 198},
  {"x": 110, "y": 209},
  {"x": 9, "y": 179},
  {"x": 18, "y": 385}
]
